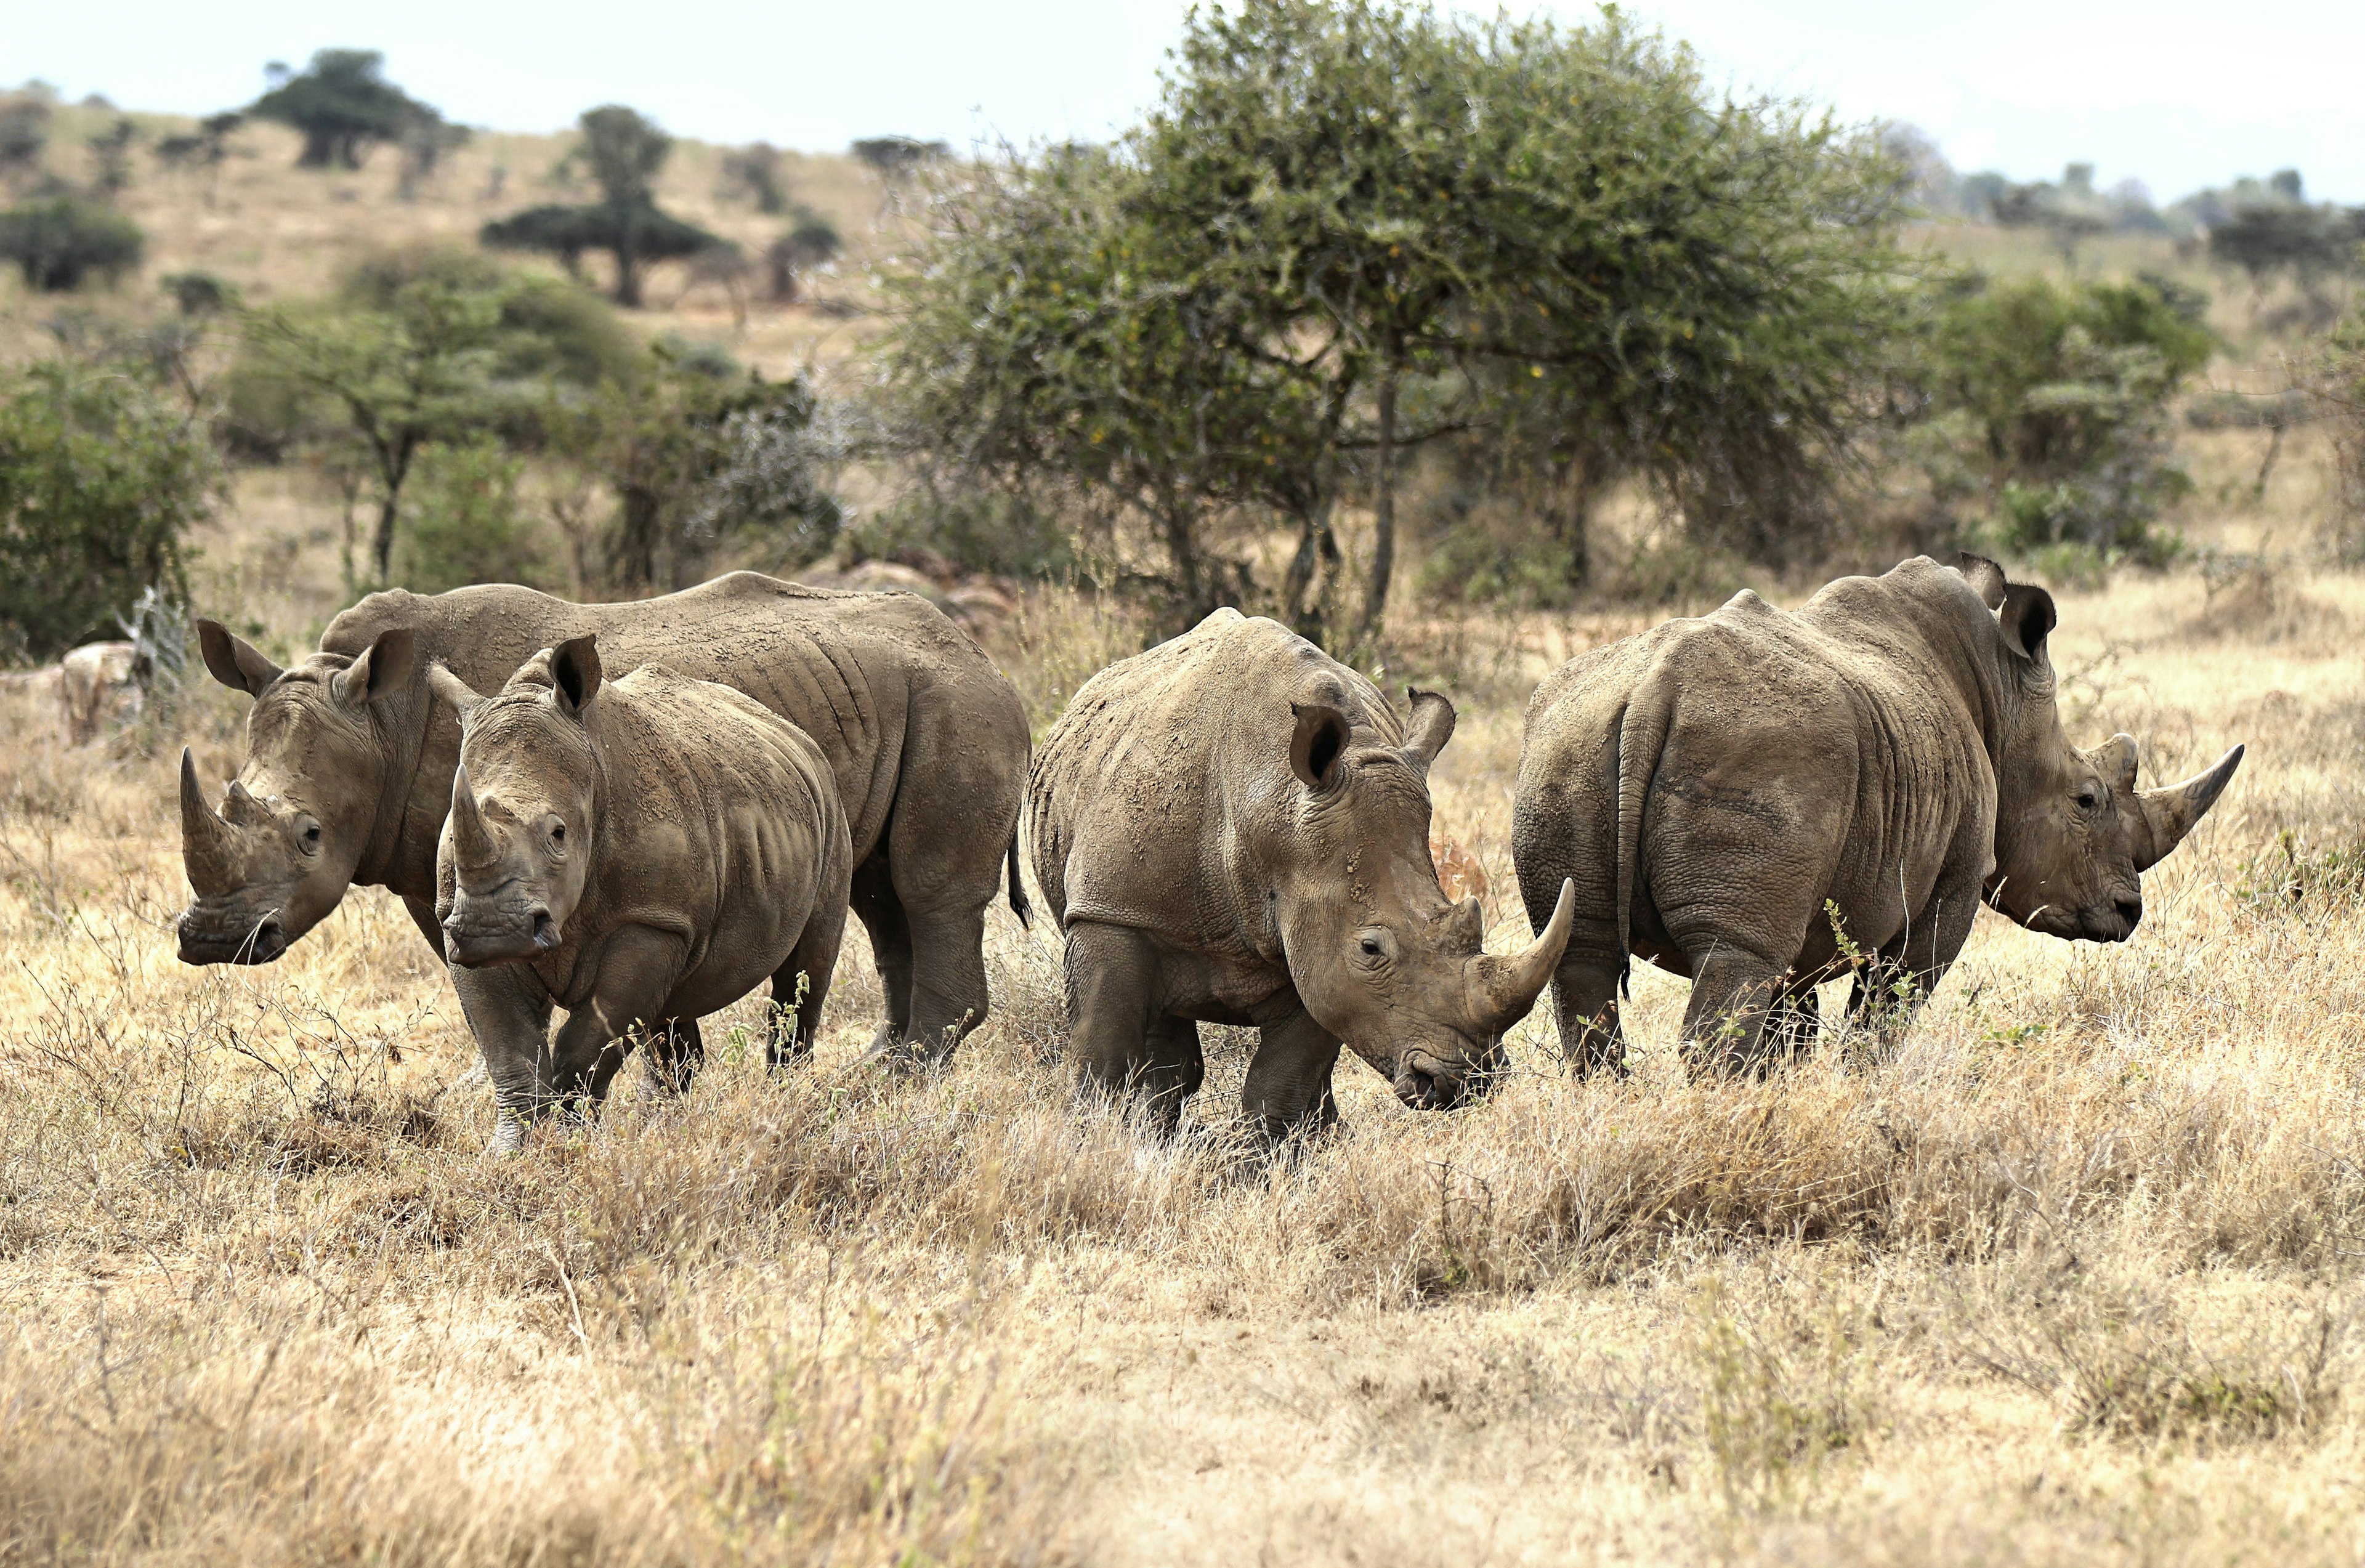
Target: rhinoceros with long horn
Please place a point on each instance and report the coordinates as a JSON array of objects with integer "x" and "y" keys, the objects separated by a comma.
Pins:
[
  {"x": 1743, "y": 798},
  {"x": 350, "y": 758},
  {"x": 1233, "y": 828}
]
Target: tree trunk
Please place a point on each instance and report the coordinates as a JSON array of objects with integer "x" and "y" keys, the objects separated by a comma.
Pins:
[
  {"x": 633, "y": 565},
  {"x": 1576, "y": 521},
  {"x": 395, "y": 469},
  {"x": 1384, "y": 506},
  {"x": 1318, "y": 552}
]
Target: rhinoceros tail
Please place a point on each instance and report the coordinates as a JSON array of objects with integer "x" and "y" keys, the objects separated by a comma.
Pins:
[
  {"x": 1018, "y": 904},
  {"x": 1641, "y": 734}
]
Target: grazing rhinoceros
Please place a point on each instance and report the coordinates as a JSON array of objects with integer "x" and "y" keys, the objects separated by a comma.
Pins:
[
  {"x": 1890, "y": 749},
  {"x": 637, "y": 852},
  {"x": 1233, "y": 828},
  {"x": 349, "y": 771}
]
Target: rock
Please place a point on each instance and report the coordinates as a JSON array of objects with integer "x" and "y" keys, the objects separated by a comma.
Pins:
[{"x": 98, "y": 691}]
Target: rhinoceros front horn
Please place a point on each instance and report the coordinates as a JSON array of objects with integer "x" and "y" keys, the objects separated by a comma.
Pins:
[
  {"x": 2170, "y": 813},
  {"x": 471, "y": 844},
  {"x": 1507, "y": 987},
  {"x": 206, "y": 851}
]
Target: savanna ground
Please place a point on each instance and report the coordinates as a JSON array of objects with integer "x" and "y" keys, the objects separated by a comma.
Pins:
[{"x": 2069, "y": 1276}]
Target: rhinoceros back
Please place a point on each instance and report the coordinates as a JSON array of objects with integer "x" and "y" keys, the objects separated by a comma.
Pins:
[{"x": 1151, "y": 795}]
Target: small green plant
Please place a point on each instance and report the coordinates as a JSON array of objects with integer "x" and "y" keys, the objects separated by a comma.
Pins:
[
  {"x": 2289, "y": 873},
  {"x": 1781, "y": 1403}
]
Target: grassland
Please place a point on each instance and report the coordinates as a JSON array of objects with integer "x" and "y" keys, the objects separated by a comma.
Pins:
[{"x": 2069, "y": 1276}]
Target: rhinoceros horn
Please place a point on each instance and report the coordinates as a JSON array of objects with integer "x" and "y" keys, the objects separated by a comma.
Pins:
[
  {"x": 2170, "y": 813},
  {"x": 471, "y": 844},
  {"x": 207, "y": 849},
  {"x": 1505, "y": 988}
]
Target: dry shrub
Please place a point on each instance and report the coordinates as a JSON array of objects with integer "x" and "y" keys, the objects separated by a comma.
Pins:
[{"x": 2257, "y": 598}]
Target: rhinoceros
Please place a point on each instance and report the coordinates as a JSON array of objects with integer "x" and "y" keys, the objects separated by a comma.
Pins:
[
  {"x": 1760, "y": 800},
  {"x": 638, "y": 852},
  {"x": 350, "y": 763},
  {"x": 1233, "y": 828}
]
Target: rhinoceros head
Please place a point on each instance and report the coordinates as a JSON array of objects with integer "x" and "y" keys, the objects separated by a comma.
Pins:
[
  {"x": 1378, "y": 954},
  {"x": 2073, "y": 833},
  {"x": 278, "y": 855},
  {"x": 518, "y": 844}
]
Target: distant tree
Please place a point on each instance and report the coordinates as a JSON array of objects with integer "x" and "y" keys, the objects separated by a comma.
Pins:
[
  {"x": 199, "y": 294},
  {"x": 1981, "y": 192},
  {"x": 394, "y": 374},
  {"x": 2287, "y": 185},
  {"x": 24, "y": 134},
  {"x": 2057, "y": 396},
  {"x": 2070, "y": 213},
  {"x": 754, "y": 172},
  {"x": 686, "y": 450},
  {"x": 343, "y": 105},
  {"x": 622, "y": 151},
  {"x": 110, "y": 152},
  {"x": 812, "y": 242},
  {"x": 208, "y": 149},
  {"x": 424, "y": 141},
  {"x": 60, "y": 243},
  {"x": 2310, "y": 243},
  {"x": 102, "y": 476},
  {"x": 897, "y": 160}
]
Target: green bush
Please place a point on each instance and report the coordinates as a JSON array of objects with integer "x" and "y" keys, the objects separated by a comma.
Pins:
[
  {"x": 57, "y": 244},
  {"x": 466, "y": 525},
  {"x": 101, "y": 477},
  {"x": 2054, "y": 399}
]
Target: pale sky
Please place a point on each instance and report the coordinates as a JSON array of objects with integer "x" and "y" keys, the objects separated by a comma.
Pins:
[{"x": 2175, "y": 93}]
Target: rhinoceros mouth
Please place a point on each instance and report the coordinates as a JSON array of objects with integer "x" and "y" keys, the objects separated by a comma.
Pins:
[
  {"x": 473, "y": 945},
  {"x": 1425, "y": 1083},
  {"x": 204, "y": 940}
]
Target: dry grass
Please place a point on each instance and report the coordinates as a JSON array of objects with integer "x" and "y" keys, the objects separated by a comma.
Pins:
[{"x": 2067, "y": 1277}]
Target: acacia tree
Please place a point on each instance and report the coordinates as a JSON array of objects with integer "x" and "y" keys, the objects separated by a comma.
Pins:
[
  {"x": 623, "y": 149},
  {"x": 398, "y": 372},
  {"x": 344, "y": 106},
  {"x": 1050, "y": 346},
  {"x": 1370, "y": 228}
]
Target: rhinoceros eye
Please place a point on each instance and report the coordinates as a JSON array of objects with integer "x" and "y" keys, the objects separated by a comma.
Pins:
[
  {"x": 1371, "y": 949},
  {"x": 2087, "y": 800},
  {"x": 559, "y": 833}
]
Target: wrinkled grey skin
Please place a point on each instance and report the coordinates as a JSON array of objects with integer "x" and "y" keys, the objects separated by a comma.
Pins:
[
  {"x": 1892, "y": 747},
  {"x": 349, "y": 761},
  {"x": 637, "y": 852},
  {"x": 1233, "y": 828}
]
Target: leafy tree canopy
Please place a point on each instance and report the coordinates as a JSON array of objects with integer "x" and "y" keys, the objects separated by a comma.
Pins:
[
  {"x": 624, "y": 151},
  {"x": 59, "y": 243},
  {"x": 344, "y": 106}
]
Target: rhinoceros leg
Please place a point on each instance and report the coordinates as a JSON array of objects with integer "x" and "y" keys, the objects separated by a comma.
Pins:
[
  {"x": 1733, "y": 996},
  {"x": 1585, "y": 1007},
  {"x": 1795, "y": 1023},
  {"x": 796, "y": 1020},
  {"x": 1923, "y": 952},
  {"x": 1111, "y": 972},
  {"x": 509, "y": 1015},
  {"x": 638, "y": 969},
  {"x": 677, "y": 1050},
  {"x": 874, "y": 902},
  {"x": 1288, "y": 1084},
  {"x": 1177, "y": 1067}
]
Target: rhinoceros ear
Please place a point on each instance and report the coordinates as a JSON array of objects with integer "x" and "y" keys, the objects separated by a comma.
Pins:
[
  {"x": 1315, "y": 749},
  {"x": 233, "y": 661},
  {"x": 575, "y": 665},
  {"x": 2025, "y": 620},
  {"x": 1985, "y": 577},
  {"x": 1432, "y": 727},
  {"x": 384, "y": 665}
]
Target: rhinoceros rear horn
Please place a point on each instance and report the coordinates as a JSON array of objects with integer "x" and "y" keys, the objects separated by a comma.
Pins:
[
  {"x": 206, "y": 850},
  {"x": 2172, "y": 812},
  {"x": 1509, "y": 986}
]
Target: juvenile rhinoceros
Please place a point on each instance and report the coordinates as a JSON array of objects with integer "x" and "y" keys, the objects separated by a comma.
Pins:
[
  {"x": 349, "y": 761},
  {"x": 1233, "y": 828},
  {"x": 1722, "y": 791},
  {"x": 637, "y": 852}
]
